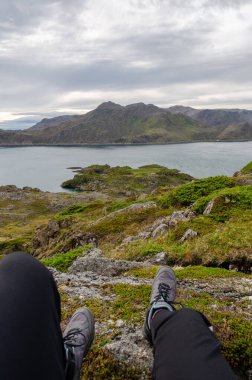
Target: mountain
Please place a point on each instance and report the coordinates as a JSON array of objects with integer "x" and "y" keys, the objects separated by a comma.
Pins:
[
  {"x": 214, "y": 117},
  {"x": 136, "y": 123}
]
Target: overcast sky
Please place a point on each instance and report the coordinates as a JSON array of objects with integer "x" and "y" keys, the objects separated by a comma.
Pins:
[{"x": 69, "y": 56}]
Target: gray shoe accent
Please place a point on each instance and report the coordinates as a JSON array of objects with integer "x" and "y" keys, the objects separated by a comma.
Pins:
[{"x": 78, "y": 337}]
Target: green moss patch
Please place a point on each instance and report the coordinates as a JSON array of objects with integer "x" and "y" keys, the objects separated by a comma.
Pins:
[
  {"x": 62, "y": 261},
  {"x": 205, "y": 273}
]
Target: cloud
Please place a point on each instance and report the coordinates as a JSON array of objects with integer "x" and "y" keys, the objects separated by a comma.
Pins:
[{"x": 73, "y": 55}]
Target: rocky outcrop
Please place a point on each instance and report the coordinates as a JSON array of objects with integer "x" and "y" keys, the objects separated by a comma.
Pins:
[
  {"x": 50, "y": 236},
  {"x": 162, "y": 225},
  {"x": 94, "y": 261}
]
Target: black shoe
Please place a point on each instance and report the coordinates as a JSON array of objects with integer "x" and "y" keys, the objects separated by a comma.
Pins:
[
  {"x": 78, "y": 337},
  {"x": 162, "y": 296}
]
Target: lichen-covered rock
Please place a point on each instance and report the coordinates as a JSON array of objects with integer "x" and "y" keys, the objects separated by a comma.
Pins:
[
  {"x": 160, "y": 230},
  {"x": 181, "y": 216},
  {"x": 209, "y": 207},
  {"x": 95, "y": 262},
  {"x": 188, "y": 235},
  {"x": 159, "y": 259},
  {"x": 131, "y": 348}
]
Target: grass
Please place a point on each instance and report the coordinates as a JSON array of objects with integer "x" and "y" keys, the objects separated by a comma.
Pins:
[
  {"x": 192, "y": 272},
  {"x": 247, "y": 169}
]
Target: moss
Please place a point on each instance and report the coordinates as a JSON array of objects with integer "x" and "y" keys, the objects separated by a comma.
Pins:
[
  {"x": 62, "y": 261},
  {"x": 131, "y": 302},
  {"x": 17, "y": 244},
  {"x": 192, "y": 272},
  {"x": 205, "y": 273},
  {"x": 237, "y": 197},
  {"x": 147, "y": 272},
  {"x": 101, "y": 364}
]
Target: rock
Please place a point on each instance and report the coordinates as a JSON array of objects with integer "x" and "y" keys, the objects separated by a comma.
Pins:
[
  {"x": 160, "y": 221},
  {"x": 131, "y": 348},
  {"x": 181, "y": 216},
  {"x": 136, "y": 206},
  {"x": 188, "y": 235},
  {"x": 209, "y": 207},
  {"x": 161, "y": 225},
  {"x": 159, "y": 259},
  {"x": 94, "y": 262},
  {"x": 160, "y": 230},
  {"x": 141, "y": 236}
]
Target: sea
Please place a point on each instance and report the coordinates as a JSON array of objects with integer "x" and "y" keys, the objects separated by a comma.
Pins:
[{"x": 46, "y": 167}]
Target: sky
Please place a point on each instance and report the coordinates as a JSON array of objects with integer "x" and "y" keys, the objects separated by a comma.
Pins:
[{"x": 64, "y": 57}]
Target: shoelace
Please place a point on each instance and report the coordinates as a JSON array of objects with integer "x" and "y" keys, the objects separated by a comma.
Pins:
[
  {"x": 163, "y": 292},
  {"x": 71, "y": 337}
]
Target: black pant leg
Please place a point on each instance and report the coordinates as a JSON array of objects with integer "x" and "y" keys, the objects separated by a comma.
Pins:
[
  {"x": 31, "y": 346},
  {"x": 186, "y": 349}
]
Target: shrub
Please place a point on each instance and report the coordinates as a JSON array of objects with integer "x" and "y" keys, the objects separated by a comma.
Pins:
[{"x": 191, "y": 192}]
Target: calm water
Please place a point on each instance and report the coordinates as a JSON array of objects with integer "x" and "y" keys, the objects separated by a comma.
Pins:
[{"x": 46, "y": 167}]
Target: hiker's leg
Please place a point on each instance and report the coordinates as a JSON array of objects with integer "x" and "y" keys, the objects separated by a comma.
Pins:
[
  {"x": 185, "y": 348},
  {"x": 31, "y": 345}
]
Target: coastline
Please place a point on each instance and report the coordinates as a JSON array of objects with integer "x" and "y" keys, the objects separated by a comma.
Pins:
[{"x": 121, "y": 144}]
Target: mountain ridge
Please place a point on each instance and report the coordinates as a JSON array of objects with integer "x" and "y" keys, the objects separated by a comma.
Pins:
[{"x": 112, "y": 123}]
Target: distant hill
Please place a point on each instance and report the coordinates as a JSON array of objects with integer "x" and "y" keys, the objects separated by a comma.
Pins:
[{"x": 136, "y": 123}]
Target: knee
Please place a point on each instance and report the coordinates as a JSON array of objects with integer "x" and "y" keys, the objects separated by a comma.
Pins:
[{"x": 24, "y": 265}]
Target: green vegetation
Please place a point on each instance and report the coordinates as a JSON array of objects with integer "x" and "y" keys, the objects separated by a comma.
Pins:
[
  {"x": 72, "y": 210},
  {"x": 236, "y": 197},
  {"x": 51, "y": 224},
  {"x": 62, "y": 261},
  {"x": 191, "y": 272},
  {"x": 120, "y": 181},
  {"x": 247, "y": 169},
  {"x": 187, "y": 194}
]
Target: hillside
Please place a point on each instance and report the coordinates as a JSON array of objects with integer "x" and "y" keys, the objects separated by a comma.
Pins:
[
  {"x": 231, "y": 125},
  {"x": 105, "y": 249},
  {"x": 112, "y": 123}
]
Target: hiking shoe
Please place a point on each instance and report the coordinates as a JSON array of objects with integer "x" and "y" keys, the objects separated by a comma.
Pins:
[
  {"x": 78, "y": 337},
  {"x": 162, "y": 296}
]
